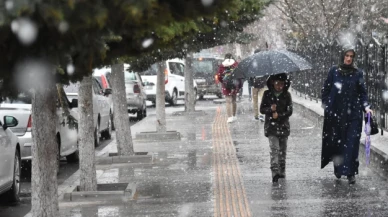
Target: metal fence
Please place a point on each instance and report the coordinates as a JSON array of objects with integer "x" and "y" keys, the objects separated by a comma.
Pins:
[{"x": 371, "y": 57}]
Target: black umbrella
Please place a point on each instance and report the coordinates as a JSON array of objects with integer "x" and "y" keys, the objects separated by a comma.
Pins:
[{"x": 269, "y": 63}]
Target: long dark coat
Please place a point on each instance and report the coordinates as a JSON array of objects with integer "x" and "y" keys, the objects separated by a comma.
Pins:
[
  {"x": 344, "y": 98},
  {"x": 279, "y": 127}
]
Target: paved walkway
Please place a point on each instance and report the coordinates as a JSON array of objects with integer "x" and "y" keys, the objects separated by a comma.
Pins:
[{"x": 220, "y": 169}]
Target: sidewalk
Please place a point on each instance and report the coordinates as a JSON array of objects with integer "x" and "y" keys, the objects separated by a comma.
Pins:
[
  {"x": 177, "y": 182},
  {"x": 220, "y": 169}
]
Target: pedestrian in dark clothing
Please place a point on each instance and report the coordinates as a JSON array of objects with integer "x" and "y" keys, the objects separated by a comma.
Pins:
[
  {"x": 344, "y": 98},
  {"x": 277, "y": 107}
]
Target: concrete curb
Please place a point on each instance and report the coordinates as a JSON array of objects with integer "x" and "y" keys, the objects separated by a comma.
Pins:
[
  {"x": 219, "y": 101},
  {"x": 137, "y": 159},
  {"x": 126, "y": 194},
  {"x": 156, "y": 136},
  {"x": 378, "y": 158}
]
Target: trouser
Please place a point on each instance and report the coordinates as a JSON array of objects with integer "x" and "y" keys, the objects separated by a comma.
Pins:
[
  {"x": 257, "y": 92},
  {"x": 278, "y": 146},
  {"x": 231, "y": 105}
]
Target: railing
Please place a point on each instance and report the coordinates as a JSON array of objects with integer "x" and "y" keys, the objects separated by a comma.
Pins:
[{"x": 372, "y": 58}]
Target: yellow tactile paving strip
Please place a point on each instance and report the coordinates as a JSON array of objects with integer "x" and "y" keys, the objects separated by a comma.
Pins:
[{"x": 229, "y": 191}]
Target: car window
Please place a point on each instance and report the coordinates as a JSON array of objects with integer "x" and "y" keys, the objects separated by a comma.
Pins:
[
  {"x": 152, "y": 70},
  {"x": 180, "y": 69},
  {"x": 203, "y": 66},
  {"x": 130, "y": 76},
  {"x": 72, "y": 88},
  {"x": 173, "y": 68},
  {"x": 22, "y": 98},
  {"x": 97, "y": 87}
]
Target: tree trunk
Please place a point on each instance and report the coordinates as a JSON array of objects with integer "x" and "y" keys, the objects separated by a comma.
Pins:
[
  {"x": 189, "y": 85},
  {"x": 120, "y": 109},
  {"x": 161, "y": 100},
  {"x": 44, "y": 151},
  {"x": 88, "y": 179}
]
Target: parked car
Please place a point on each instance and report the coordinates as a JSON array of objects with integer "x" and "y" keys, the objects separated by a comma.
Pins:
[
  {"x": 134, "y": 88},
  {"x": 66, "y": 130},
  {"x": 174, "y": 80},
  {"x": 204, "y": 73},
  {"x": 10, "y": 160},
  {"x": 105, "y": 84},
  {"x": 136, "y": 95},
  {"x": 102, "y": 112}
]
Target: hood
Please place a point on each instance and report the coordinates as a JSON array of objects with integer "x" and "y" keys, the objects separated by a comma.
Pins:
[
  {"x": 228, "y": 62},
  {"x": 282, "y": 77}
]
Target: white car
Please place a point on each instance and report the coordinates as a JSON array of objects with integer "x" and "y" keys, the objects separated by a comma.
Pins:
[
  {"x": 174, "y": 81},
  {"x": 134, "y": 89},
  {"x": 10, "y": 160},
  {"x": 102, "y": 109},
  {"x": 66, "y": 130}
]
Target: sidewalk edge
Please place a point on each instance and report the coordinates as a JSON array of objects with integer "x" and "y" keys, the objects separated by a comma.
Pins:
[{"x": 378, "y": 158}]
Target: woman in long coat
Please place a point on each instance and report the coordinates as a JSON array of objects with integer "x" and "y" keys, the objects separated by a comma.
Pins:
[{"x": 344, "y": 98}]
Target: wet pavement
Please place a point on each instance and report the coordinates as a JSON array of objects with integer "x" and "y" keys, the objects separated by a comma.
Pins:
[
  {"x": 307, "y": 190},
  {"x": 223, "y": 170}
]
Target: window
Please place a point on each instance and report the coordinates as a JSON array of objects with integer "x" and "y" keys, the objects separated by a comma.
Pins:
[
  {"x": 130, "y": 76},
  {"x": 176, "y": 68},
  {"x": 22, "y": 98},
  {"x": 72, "y": 88},
  {"x": 204, "y": 66},
  {"x": 173, "y": 68},
  {"x": 181, "y": 69},
  {"x": 97, "y": 87},
  {"x": 152, "y": 70}
]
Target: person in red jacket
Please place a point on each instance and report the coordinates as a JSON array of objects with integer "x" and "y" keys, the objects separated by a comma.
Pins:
[{"x": 230, "y": 93}]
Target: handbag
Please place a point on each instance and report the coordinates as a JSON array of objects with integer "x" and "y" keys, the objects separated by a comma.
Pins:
[{"x": 371, "y": 127}]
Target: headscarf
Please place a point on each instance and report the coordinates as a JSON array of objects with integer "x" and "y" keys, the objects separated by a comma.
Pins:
[{"x": 344, "y": 68}]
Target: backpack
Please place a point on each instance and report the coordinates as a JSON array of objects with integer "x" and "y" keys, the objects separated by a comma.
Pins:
[{"x": 228, "y": 80}]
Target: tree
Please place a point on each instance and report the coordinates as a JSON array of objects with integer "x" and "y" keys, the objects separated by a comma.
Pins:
[
  {"x": 88, "y": 178},
  {"x": 123, "y": 130},
  {"x": 189, "y": 86},
  {"x": 321, "y": 21}
]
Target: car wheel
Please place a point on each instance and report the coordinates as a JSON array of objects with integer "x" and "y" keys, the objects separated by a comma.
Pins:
[
  {"x": 174, "y": 98},
  {"x": 13, "y": 193},
  {"x": 145, "y": 110},
  {"x": 219, "y": 95},
  {"x": 97, "y": 136},
  {"x": 74, "y": 157},
  {"x": 107, "y": 134},
  {"x": 200, "y": 97},
  {"x": 112, "y": 121},
  {"x": 140, "y": 114},
  {"x": 58, "y": 155}
]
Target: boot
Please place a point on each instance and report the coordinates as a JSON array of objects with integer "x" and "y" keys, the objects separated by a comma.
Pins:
[
  {"x": 275, "y": 176},
  {"x": 351, "y": 179}
]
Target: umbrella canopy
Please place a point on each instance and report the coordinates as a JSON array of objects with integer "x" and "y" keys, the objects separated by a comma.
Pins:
[{"x": 269, "y": 63}]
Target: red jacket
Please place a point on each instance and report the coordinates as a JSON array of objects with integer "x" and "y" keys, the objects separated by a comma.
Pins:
[{"x": 221, "y": 73}]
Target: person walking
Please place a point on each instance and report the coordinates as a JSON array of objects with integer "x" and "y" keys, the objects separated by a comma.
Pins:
[
  {"x": 225, "y": 72},
  {"x": 344, "y": 98},
  {"x": 277, "y": 107},
  {"x": 257, "y": 85}
]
